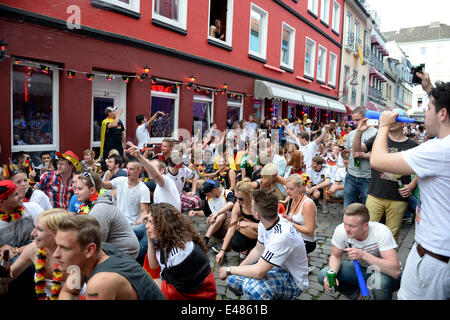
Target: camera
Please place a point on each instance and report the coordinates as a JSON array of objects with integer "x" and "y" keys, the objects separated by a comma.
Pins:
[{"x": 419, "y": 68}]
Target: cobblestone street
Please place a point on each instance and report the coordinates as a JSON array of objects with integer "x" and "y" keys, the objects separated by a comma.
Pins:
[{"x": 319, "y": 257}]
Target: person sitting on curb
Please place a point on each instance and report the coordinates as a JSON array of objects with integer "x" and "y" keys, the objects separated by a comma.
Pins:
[
  {"x": 277, "y": 267},
  {"x": 217, "y": 208},
  {"x": 372, "y": 244},
  {"x": 243, "y": 229},
  {"x": 176, "y": 257},
  {"x": 111, "y": 274}
]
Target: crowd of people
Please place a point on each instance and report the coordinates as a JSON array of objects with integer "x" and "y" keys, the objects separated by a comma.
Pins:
[{"x": 120, "y": 226}]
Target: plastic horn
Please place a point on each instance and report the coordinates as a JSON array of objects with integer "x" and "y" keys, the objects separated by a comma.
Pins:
[
  {"x": 361, "y": 280},
  {"x": 370, "y": 114}
]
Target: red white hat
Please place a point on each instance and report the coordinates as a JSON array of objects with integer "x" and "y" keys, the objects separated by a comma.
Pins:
[
  {"x": 7, "y": 188},
  {"x": 71, "y": 157}
]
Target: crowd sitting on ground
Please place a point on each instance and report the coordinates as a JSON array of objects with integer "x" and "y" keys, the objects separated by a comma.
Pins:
[{"x": 125, "y": 219}]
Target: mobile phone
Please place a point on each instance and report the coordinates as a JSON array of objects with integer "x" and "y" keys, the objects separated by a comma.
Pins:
[
  {"x": 46, "y": 165},
  {"x": 372, "y": 122},
  {"x": 342, "y": 147},
  {"x": 420, "y": 69}
]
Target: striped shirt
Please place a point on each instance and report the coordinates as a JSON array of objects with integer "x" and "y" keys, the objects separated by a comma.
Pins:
[{"x": 58, "y": 193}]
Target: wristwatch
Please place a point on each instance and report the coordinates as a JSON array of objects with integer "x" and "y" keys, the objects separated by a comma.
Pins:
[{"x": 228, "y": 271}]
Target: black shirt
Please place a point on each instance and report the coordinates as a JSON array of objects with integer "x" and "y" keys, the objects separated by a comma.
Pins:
[
  {"x": 113, "y": 137},
  {"x": 383, "y": 184}
]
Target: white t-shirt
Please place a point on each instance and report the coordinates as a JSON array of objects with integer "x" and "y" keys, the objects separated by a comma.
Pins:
[
  {"x": 129, "y": 200},
  {"x": 318, "y": 176},
  {"x": 309, "y": 152},
  {"x": 379, "y": 239},
  {"x": 168, "y": 193},
  {"x": 176, "y": 255},
  {"x": 285, "y": 249},
  {"x": 41, "y": 199},
  {"x": 180, "y": 178},
  {"x": 340, "y": 176},
  {"x": 142, "y": 135},
  {"x": 431, "y": 162}
]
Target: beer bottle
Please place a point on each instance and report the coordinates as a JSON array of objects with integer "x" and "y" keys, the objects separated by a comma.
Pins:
[
  {"x": 356, "y": 161},
  {"x": 4, "y": 273}
]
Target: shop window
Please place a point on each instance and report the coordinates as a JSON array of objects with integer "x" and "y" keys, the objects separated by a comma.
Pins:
[
  {"x": 34, "y": 107},
  {"x": 258, "y": 32},
  {"x": 221, "y": 21},
  {"x": 234, "y": 109},
  {"x": 203, "y": 112},
  {"x": 165, "y": 98},
  {"x": 171, "y": 12},
  {"x": 287, "y": 46}
]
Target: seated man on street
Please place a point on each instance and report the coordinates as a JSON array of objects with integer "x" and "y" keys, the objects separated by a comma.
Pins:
[
  {"x": 277, "y": 267},
  {"x": 320, "y": 180},
  {"x": 217, "y": 208},
  {"x": 372, "y": 244},
  {"x": 112, "y": 274},
  {"x": 114, "y": 163},
  {"x": 336, "y": 191}
]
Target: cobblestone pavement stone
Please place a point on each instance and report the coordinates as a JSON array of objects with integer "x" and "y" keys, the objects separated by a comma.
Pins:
[{"x": 318, "y": 258}]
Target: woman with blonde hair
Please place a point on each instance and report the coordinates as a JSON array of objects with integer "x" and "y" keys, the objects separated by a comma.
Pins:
[
  {"x": 270, "y": 180},
  {"x": 301, "y": 210},
  {"x": 48, "y": 277},
  {"x": 243, "y": 229}
]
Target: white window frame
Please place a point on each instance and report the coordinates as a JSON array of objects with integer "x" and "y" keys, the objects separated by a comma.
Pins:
[
  {"x": 313, "y": 58},
  {"x": 182, "y": 15},
  {"x": 324, "y": 64},
  {"x": 291, "y": 46},
  {"x": 332, "y": 73},
  {"x": 134, "y": 5},
  {"x": 240, "y": 105},
  {"x": 336, "y": 19},
  {"x": 209, "y": 100},
  {"x": 325, "y": 11},
  {"x": 55, "y": 104},
  {"x": 313, "y": 6},
  {"x": 263, "y": 31},
  {"x": 229, "y": 24},
  {"x": 175, "y": 96}
]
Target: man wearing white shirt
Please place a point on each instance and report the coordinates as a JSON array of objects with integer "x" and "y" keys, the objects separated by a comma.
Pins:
[
  {"x": 277, "y": 268},
  {"x": 426, "y": 271},
  {"x": 142, "y": 133},
  {"x": 251, "y": 126},
  {"x": 372, "y": 245},
  {"x": 308, "y": 149}
]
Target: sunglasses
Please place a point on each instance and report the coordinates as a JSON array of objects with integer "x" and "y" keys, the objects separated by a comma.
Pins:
[
  {"x": 88, "y": 175},
  {"x": 241, "y": 199}
]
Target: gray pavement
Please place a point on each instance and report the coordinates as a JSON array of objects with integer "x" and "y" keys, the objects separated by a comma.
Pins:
[{"x": 318, "y": 258}]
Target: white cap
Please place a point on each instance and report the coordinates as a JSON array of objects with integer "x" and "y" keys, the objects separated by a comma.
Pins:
[
  {"x": 308, "y": 121},
  {"x": 333, "y": 121}
]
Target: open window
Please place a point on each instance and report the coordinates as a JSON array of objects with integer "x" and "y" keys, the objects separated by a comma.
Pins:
[{"x": 220, "y": 28}]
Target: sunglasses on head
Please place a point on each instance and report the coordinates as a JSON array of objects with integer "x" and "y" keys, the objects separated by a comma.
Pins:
[{"x": 88, "y": 175}]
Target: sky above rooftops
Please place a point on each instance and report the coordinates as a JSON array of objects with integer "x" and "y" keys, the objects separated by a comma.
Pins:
[{"x": 396, "y": 14}]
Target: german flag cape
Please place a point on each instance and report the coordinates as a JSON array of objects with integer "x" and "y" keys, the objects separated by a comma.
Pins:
[
  {"x": 8, "y": 170},
  {"x": 103, "y": 133}
]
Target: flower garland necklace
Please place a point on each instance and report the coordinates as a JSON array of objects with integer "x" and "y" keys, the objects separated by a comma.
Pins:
[
  {"x": 85, "y": 207},
  {"x": 39, "y": 278},
  {"x": 13, "y": 216}
]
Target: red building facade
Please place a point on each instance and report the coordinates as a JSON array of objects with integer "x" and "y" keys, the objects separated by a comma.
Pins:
[{"x": 66, "y": 62}]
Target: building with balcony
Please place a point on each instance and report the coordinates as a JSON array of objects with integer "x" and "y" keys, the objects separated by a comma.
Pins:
[
  {"x": 429, "y": 45},
  {"x": 69, "y": 60},
  {"x": 397, "y": 90},
  {"x": 376, "y": 70},
  {"x": 355, "y": 54}
]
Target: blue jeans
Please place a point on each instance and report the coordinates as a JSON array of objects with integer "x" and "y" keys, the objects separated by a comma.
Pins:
[
  {"x": 348, "y": 282},
  {"x": 412, "y": 204},
  {"x": 355, "y": 189},
  {"x": 141, "y": 234}
]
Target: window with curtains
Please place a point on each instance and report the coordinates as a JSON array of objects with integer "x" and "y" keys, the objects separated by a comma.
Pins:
[
  {"x": 171, "y": 12},
  {"x": 35, "y": 103},
  {"x": 310, "y": 57},
  {"x": 336, "y": 19},
  {"x": 332, "y": 71},
  {"x": 287, "y": 46},
  {"x": 258, "y": 32},
  {"x": 325, "y": 11},
  {"x": 321, "y": 63}
]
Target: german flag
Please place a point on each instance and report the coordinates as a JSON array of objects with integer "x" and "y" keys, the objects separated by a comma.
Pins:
[{"x": 8, "y": 170}]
